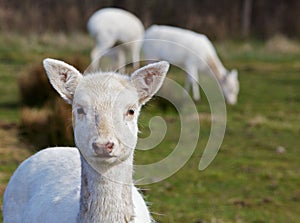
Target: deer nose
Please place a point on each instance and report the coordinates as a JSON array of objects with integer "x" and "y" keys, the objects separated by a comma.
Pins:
[{"x": 103, "y": 150}]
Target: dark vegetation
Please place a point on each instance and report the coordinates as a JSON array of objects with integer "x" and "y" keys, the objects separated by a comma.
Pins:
[
  {"x": 43, "y": 109},
  {"x": 217, "y": 18}
]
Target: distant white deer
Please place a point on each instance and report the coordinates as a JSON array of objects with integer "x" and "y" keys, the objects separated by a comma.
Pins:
[
  {"x": 111, "y": 27},
  {"x": 195, "y": 53},
  {"x": 94, "y": 182}
]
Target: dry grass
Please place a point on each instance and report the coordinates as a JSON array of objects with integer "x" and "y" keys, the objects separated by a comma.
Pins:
[
  {"x": 12, "y": 152},
  {"x": 34, "y": 120},
  {"x": 281, "y": 44},
  {"x": 34, "y": 115},
  {"x": 10, "y": 143},
  {"x": 55, "y": 121}
]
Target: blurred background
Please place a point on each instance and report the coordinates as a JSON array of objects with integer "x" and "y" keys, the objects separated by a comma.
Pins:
[
  {"x": 217, "y": 19},
  {"x": 255, "y": 176}
]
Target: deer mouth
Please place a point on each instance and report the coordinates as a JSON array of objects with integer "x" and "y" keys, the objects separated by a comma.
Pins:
[{"x": 105, "y": 156}]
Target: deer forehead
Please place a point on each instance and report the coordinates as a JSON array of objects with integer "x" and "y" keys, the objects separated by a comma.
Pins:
[{"x": 106, "y": 91}]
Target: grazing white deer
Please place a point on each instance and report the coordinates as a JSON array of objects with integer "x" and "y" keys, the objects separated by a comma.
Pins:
[
  {"x": 112, "y": 26},
  {"x": 94, "y": 182},
  {"x": 195, "y": 53}
]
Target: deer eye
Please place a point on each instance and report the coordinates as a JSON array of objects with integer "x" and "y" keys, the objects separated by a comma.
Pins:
[
  {"x": 80, "y": 111},
  {"x": 130, "y": 112}
]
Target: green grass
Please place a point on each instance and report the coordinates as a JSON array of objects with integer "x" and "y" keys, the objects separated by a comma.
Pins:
[{"x": 247, "y": 182}]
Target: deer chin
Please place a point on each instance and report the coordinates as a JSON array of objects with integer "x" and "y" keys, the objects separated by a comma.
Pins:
[
  {"x": 104, "y": 156},
  {"x": 100, "y": 164}
]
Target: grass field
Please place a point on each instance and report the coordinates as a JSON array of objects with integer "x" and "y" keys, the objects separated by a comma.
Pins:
[{"x": 255, "y": 176}]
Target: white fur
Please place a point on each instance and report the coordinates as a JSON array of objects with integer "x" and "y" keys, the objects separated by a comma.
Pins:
[
  {"x": 195, "y": 53},
  {"x": 112, "y": 26},
  {"x": 64, "y": 184}
]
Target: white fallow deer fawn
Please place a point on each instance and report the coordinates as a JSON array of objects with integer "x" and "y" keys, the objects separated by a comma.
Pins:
[
  {"x": 93, "y": 182},
  {"x": 112, "y": 27},
  {"x": 195, "y": 53}
]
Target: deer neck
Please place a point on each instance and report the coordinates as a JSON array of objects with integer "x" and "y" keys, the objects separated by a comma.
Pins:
[
  {"x": 106, "y": 195},
  {"x": 217, "y": 68}
]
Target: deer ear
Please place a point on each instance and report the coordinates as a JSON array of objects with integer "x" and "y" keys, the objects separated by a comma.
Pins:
[
  {"x": 63, "y": 77},
  {"x": 148, "y": 80}
]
